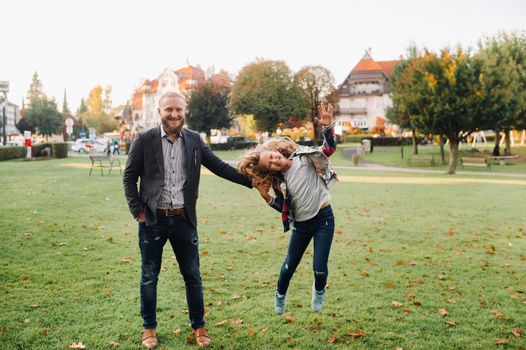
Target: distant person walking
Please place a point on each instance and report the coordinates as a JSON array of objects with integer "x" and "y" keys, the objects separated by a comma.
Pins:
[
  {"x": 168, "y": 159},
  {"x": 116, "y": 147},
  {"x": 300, "y": 177}
]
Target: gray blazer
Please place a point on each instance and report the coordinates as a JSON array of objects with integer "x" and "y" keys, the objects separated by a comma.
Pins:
[{"x": 145, "y": 161}]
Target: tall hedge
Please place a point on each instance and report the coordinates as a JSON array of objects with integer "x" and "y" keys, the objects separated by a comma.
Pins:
[
  {"x": 60, "y": 150},
  {"x": 12, "y": 152}
]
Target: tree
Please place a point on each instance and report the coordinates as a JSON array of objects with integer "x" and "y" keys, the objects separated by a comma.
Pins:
[
  {"x": 316, "y": 84},
  {"x": 107, "y": 99},
  {"x": 267, "y": 90},
  {"x": 95, "y": 115},
  {"x": 401, "y": 94},
  {"x": 445, "y": 96},
  {"x": 504, "y": 83},
  {"x": 208, "y": 108},
  {"x": 82, "y": 107},
  {"x": 23, "y": 126},
  {"x": 44, "y": 117},
  {"x": 65, "y": 107},
  {"x": 35, "y": 91}
]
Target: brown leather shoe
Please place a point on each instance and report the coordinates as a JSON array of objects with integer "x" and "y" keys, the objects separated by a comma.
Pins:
[
  {"x": 201, "y": 337},
  {"x": 149, "y": 338}
]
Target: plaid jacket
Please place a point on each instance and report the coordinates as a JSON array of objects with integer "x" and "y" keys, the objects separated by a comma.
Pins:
[{"x": 319, "y": 158}]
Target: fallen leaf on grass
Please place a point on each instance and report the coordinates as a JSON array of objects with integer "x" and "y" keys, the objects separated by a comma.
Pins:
[
  {"x": 263, "y": 330},
  {"x": 451, "y": 323},
  {"x": 332, "y": 340},
  {"x": 44, "y": 331},
  {"x": 356, "y": 333},
  {"x": 218, "y": 324},
  {"x": 127, "y": 260},
  {"x": 179, "y": 331},
  {"x": 5, "y": 330},
  {"x": 416, "y": 303},
  {"x": 236, "y": 321},
  {"x": 78, "y": 345},
  {"x": 516, "y": 332},
  {"x": 114, "y": 344},
  {"x": 410, "y": 294},
  {"x": 499, "y": 315},
  {"x": 500, "y": 341},
  {"x": 33, "y": 305},
  {"x": 290, "y": 319},
  {"x": 389, "y": 284},
  {"x": 397, "y": 303},
  {"x": 251, "y": 332},
  {"x": 24, "y": 278},
  {"x": 443, "y": 312},
  {"x": 452, "y": 301}
]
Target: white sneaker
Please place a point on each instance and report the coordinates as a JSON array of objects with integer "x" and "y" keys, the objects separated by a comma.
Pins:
[
  {"x": 317, "y": 299},
  {"x": 279, "y": 302}
]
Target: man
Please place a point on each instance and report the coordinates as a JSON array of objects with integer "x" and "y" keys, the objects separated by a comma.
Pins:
[{"x": 168, "y": 161}]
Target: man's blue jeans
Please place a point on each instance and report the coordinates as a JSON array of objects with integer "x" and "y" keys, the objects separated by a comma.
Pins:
[
  {"x": 321, "y": 228},
  {"x": 184, "y": 241}
]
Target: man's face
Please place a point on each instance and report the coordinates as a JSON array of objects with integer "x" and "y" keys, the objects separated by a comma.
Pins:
[{"x": 171, "y": 110}]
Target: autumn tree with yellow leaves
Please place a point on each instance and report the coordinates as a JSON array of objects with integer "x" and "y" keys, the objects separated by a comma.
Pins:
[{"x": 442, "y": 94}]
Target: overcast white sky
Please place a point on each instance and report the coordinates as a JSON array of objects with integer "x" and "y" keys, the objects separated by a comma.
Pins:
[{"x": 78, "y": 44}]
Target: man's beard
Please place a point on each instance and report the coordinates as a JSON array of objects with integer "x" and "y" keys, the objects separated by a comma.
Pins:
[{"x": 172, "y": 129}]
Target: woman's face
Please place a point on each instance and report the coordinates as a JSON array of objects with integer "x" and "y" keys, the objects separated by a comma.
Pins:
[{"x": 273, "y": 161}]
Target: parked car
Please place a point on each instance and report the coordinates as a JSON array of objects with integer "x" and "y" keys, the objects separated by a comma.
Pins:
[
  {"x": 87, "y": 145},
  {"x": 236, "y": 139},
  {"x": 18, "y": 143}
]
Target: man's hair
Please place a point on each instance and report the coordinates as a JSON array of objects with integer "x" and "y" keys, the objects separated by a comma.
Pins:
[{"x": 172, "y": 94}]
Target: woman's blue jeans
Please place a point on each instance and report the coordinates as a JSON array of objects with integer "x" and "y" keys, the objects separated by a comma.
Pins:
[
  {"x": 321, "y": 228},
  {"x": 184, "y": 241}
]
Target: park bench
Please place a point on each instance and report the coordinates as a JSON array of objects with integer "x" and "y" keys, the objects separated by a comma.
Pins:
[
  {"x": 104, "y": 162},
  {"x": 475, "y": 161},
  {"x": 503, "y": 160},
  {"x": 421, "y": 159}
]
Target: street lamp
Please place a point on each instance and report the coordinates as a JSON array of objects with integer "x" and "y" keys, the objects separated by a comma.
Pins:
[{"x": 4, "y": 87}]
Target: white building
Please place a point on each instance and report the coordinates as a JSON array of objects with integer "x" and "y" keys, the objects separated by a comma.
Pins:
[
  {"x": 12, "y": 113},
  {"x": 364, "y": 95}
]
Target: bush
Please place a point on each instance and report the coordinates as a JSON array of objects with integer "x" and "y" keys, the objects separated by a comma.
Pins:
[
  {"x": 38, "y": 150},
  {"x": 60, "y": 150},
  {"x": 12, "y": 152}
]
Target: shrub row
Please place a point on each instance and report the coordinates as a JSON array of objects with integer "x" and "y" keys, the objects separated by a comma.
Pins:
[
  {"x": 60, "y": 150},
  {"x": 12, "y": 152}
]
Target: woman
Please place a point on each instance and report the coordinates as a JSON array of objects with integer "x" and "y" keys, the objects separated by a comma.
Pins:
[{"x": 300, "y": 177}]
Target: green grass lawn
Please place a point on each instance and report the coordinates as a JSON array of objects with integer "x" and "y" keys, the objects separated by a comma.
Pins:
[
  {"x": 418, "y": 262},
  {"x": 392, "y": 156}
]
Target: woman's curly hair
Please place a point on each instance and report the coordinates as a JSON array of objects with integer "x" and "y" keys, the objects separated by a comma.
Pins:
[{"x": 249, "y": 163}]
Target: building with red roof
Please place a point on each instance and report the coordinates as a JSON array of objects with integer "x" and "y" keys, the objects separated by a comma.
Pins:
[
  {"x": 364, "y": 95},
  {"x": 145, "y": 98}
]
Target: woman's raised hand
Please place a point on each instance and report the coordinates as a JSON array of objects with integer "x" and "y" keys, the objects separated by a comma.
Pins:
[{"x": 326, "y": 115}]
